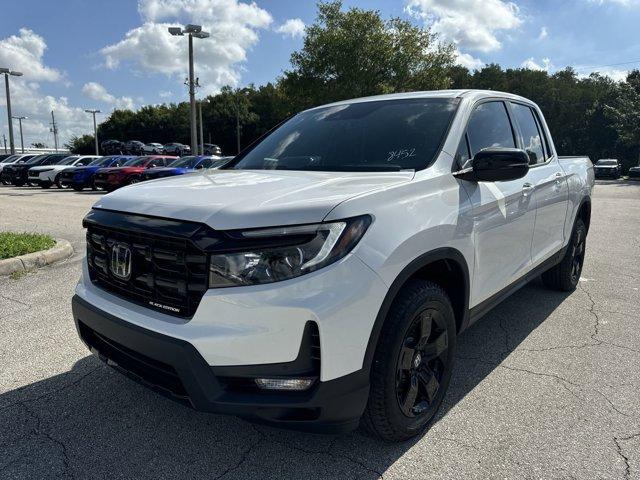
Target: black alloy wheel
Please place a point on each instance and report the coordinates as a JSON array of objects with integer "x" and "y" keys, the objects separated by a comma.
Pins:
[{"x": 420, "y": 366}]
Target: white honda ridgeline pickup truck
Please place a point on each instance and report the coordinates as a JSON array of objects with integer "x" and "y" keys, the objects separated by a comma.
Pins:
[{"x": 320, "y": 279}]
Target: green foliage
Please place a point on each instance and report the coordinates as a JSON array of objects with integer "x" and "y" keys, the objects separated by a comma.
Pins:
[
  {"x": 83, "y": 145},
  {"x": 14, "y": 244},
  {"x": 38, "y": 145},
  {"x": 355, "y": 52}
]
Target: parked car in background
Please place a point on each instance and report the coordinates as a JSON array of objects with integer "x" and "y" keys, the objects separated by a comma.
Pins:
[
  {"x": 184, "y": 165},
  {"x": 110, "y": 179},
  {"x": 134, "y": 147},
  {"x": 10, "y": 160},
  {"x": 152, "y": 149},
  {"x": 80, "y": 178},
  {"x": 178, "y": 149},
  {"x": 634, "y": 173},
  {"x": 48, "y": 175},
  {"x": 321, "y": 279},
  {"x": 607, "y": 168},
  {"x": 111, "y": 147},
  {"x": 17, "y": 174},
  {"x": 212, "y": 149}
]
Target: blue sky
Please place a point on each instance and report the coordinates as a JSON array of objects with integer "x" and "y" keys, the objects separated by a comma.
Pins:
[{"x": 78, "y": 54}]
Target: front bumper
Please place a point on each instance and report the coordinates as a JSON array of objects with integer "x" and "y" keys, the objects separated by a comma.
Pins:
[{"x": 176, "y": 369}]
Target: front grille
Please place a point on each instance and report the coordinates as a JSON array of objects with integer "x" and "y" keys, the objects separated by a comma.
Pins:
[
  {"x": 167, "y": 274},
  {"x": 155, "y": 374}
]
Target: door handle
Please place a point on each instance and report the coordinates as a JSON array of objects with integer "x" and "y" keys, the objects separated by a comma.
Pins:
[{"x": 527, "y": 188}]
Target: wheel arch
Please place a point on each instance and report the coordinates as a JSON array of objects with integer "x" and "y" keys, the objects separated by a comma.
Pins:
[
  {"x": 445, "y": 266},
  {"x": 584, "y": 212}
]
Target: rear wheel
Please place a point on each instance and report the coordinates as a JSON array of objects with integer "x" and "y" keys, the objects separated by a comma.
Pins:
[
  {"x": 566, "y": 275},
  {"x": 413, "y": 363},
  {"x": 133, "y": 181}
]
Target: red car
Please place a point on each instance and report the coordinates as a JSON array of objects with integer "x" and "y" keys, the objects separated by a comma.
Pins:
[{"x": 110, "y": 179}]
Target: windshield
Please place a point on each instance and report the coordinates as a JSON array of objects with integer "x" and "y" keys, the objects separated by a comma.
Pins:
[
  {"x": 101, "y": 162},
  {"x": 137, "y": 162},
  {"x": 363, "y": 136},
  {"x": 607, "y": 162},
  {"x": 184, "y": 162},
  {"x": 35, "y": 159},
  {"x": 68, "y": 160},
  {"x": 10, "y": 158}
]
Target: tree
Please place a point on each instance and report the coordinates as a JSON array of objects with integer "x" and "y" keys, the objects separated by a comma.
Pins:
[
  {"x": 355, "y": 53},
  {"x": 83, "y": 145},
  {"x": 38, "y": 145}
]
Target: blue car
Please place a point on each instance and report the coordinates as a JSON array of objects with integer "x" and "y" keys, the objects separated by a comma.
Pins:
[
  {"x": 79, "y": 178},
  {"x": 185, "y": 165}
]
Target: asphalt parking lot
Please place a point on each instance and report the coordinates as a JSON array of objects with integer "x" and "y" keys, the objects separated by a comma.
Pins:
[{"x": 546, "y": 385}]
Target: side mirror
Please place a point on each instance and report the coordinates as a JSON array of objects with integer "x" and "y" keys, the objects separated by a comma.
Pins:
[{"x": 496, "y": 165}]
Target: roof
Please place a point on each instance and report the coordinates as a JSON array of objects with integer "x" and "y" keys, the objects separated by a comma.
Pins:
[{"x": 473, "y": 94}]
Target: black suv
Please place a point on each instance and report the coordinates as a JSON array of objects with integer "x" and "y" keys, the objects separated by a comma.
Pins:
[
  {"x": 134, "y": 147},
  {"x": 111, "y": 147},
  {"x": 17, "y": 173},
  {"x": 607, "y": 168}
]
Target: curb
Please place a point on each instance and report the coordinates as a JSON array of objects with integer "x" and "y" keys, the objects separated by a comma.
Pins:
[{"x": 23, "y": 263}]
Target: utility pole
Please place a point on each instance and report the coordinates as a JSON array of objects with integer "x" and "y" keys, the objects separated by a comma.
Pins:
[
  {"x": 7, "y": 72},
  {"x": 54, "y": 129},
  {"x": 21, "y": 138},
  {"x": 237, "y": 125},
  {"x": 95, "y": 127},
  {"x": 4, "y": 139},
  {"x": 192, "y": 31},
  {"x": 201, "y": 128}
]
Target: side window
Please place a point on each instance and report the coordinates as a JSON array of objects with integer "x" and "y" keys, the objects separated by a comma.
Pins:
[
  {"x": 545, "y": 138},
  {"x": 462, "y": 155},
  {"x": 489, "y": 126},
  {"x": 532, "y": 141}
]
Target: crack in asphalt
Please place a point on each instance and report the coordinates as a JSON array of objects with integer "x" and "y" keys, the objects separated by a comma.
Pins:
[{"x": 616, "y": 441}]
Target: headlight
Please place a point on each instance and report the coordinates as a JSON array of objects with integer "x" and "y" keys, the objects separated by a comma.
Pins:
[{"x": 285, "y": 252}]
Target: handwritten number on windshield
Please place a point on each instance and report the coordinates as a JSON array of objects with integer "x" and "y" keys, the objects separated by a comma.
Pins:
[{"x": 401, "y": 154}]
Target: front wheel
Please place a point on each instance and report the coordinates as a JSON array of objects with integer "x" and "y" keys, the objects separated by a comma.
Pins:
[
  {"x": 413, "y": 363},
  {"x": 566, "y": 275},
  {"x": 60, "y": 185}
]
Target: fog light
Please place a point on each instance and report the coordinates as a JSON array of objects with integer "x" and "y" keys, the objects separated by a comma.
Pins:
[{"x": 284, "y": 383}]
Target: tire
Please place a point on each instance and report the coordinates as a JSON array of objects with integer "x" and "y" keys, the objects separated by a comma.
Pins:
[
  {"x": 59, "y": 185},
  {"x": 133, "y": 181},
  {"x": 399, "y": 366},
  {"x": 566, "y": 275}
]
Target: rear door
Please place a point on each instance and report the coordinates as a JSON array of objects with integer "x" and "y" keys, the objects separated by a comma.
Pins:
[
  {"x": 549, "y": 182},
  {"x": 503, "y": 212}
]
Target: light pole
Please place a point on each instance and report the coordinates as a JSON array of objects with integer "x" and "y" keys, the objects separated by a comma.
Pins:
[
  {"x": 8, "y": 72},
  {"x": 21, "y": 138},
  {"x": 95, "y": 128},
  {"x": 192, "y": 31}
]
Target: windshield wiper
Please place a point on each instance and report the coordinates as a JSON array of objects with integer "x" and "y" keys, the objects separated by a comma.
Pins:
[{"x": 382, "y": 167}]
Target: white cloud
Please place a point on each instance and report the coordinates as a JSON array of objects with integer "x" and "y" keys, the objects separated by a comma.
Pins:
[
  {"x": 544, "y": 33},
  {"x": 165, "y": 94},
  {"x": 294, "y": 27},
  {"x": 470, "y": 24},
  {"x": 233, "y": 25},
  {"x": 531, "y": 64},
  {"x": 97, "y": 92},
  {"x": 468, "y": 61},
  {"x": 24, "y": 53},
  {"x": 613, "y": 73},
  {"x": 624, "y": 3}
]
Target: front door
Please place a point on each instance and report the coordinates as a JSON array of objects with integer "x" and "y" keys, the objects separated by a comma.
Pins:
[{"x": 504, "y": 212}]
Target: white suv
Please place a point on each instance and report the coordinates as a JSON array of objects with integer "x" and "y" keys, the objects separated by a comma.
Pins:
[
  {"x": 322, "y": 277},
  {"x": 47, "y": 175}
]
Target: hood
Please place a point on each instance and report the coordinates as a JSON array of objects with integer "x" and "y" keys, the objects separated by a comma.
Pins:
[
  {"x": 231, "y": 199},
  {"x": 50, "y": 167}
]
